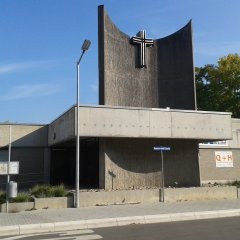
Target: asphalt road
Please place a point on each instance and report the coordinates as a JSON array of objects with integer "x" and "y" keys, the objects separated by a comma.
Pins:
[{"x": 219, "y": 229}]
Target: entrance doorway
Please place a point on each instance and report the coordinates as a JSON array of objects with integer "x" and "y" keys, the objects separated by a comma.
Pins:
[{"x": 63, "y": 163}]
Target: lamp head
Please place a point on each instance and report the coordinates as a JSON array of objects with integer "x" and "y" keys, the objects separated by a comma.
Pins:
[{"x": 86, "y": 45}]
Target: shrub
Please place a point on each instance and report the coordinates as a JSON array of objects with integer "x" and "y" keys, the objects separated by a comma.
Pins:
[
  {"x": 235, "y": 183},
  {"x": 41, "y": 191},
  {"x": 59, "y": 191},
  {"x": 22, "y": 197},
  {"x": 44, "y": 191}
]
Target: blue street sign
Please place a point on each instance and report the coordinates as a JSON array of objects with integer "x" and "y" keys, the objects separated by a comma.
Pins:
[{"x": 161, "y": 148}]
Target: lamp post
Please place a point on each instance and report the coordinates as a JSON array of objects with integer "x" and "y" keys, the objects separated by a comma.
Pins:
[{"x": 85, "y": 46}]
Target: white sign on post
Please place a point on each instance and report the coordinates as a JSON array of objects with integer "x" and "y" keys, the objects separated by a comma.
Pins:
[
  {"x": 14, "y": 168},
  {"x": 224, "y": 159},
  {"x": 3, "y": 168}
]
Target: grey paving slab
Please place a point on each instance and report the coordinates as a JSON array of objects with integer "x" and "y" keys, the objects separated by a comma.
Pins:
[{"x": 116, "y": 211}]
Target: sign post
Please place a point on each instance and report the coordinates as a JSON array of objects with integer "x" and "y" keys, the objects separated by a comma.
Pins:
[
  {"x": 162, "y": 148},
  {"x": 9, "y": 161},
  {"x": 9, "y": 168}
]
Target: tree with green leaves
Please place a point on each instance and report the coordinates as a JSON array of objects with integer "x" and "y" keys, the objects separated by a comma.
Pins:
[{"x": 218, "y": 86}]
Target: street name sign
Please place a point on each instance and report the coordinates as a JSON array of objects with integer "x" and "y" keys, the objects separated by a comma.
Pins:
[{"x": 161, "y": 148}]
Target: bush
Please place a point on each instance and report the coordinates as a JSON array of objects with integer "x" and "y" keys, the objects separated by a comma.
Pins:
[
  {"x": 41, "y": 191},
  {"x": 22, "y": 197},
  {"x": 235, "y": 183},
  {"x": 44, "y": 191},
  {"x": 59, "y": 191}
]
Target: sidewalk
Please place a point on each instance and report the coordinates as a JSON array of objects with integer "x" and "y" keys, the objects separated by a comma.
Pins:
[{"x": 116, "y": 215}]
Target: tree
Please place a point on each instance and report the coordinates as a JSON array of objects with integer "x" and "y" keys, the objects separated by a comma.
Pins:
[{"x": 218, "y": 86}]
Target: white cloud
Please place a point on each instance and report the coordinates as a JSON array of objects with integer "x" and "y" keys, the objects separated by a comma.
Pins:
[
  {"x": 20, "y": 66},
  {"x": 30, "y": 91}
]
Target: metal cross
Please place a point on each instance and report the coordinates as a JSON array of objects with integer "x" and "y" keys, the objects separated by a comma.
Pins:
[{"x": 143, "y": 42}]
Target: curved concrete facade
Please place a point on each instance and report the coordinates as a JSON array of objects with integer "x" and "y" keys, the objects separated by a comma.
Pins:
[{"x": 167, "y": 81}]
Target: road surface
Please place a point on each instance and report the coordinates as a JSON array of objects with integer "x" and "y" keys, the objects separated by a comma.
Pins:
[{"x": 211, "y": 229}]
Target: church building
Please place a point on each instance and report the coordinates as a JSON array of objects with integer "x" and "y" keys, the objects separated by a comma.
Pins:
[{"x": 147, "y": 99}]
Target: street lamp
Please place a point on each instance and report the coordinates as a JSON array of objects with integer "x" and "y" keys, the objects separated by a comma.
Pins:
[{"x": 85, "y": 46}]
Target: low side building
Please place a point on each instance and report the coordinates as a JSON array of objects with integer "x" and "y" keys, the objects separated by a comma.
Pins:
[
  {"x": 220, "y": 161},
  {"x": 30, "y": 149}
]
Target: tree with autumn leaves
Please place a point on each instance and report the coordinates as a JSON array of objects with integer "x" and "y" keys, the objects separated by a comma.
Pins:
[{"x": 218, "y": 86}]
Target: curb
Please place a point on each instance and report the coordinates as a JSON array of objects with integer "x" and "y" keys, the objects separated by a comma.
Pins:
[{"x": 113, "y": 222}]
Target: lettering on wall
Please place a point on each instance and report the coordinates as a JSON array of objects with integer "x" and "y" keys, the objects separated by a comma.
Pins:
[{"x": 224, "y": 159}]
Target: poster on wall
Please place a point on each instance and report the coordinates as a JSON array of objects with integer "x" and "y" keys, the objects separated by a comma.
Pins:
[{"x": 224, "y": 159}]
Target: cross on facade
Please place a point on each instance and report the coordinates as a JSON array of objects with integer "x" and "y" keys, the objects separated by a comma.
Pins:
[{"x": 142, "y": 43}]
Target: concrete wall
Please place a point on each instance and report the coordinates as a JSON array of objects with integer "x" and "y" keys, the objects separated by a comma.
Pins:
[
  {"x": 132, "y": 163},
  {"x": 235, "y": 141},
  {"x": 199, "y": 194},
  {"x": 167, "y": 81},
  {"x": 153, "y": 123},
  {"x": 121, "y": 82},
  {"x": 63, "y": 128},
  {"x": 211, "y": 173},
  {"x": 109, "y": 121},
  {"x": 54, "y": 202},
  {"x": 17, "y": 207},
  {"x": 39, "y": 203},
  {"x": 89, "y": 199},
  {"x": 176, "y": 80},
  {"x": 24, "y": 135}
]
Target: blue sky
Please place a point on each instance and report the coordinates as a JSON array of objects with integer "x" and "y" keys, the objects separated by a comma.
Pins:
[{"x": 40, "y": 42}]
